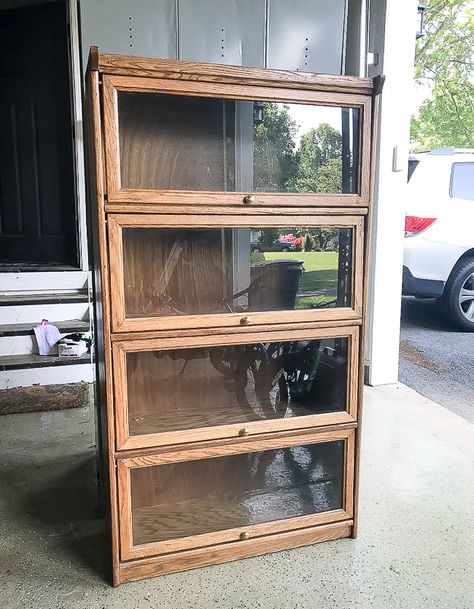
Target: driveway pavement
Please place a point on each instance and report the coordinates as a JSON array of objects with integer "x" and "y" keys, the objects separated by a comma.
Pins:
[{"x": 436, "y": 360}]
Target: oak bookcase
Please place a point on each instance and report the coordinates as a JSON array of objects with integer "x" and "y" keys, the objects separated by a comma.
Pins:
[{"x": 230, "y": 209}]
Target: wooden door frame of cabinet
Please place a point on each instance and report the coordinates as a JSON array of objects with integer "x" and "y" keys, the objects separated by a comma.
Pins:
[
  {"x": 150, "y": 67},
  {"x": 196, "y": 452},
  {"x": 378, "y": 83},
  {"x": 118, "y": 195},
  {"x": 125, "y": 441},
  {"x": 202, "y": 557},
  {"x": 102, "y": 322},
  {"x": 120, "y": 323}
]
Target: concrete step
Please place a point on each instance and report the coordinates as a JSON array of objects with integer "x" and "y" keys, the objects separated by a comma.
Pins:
[
  {"x": 16, "y": 339},
  {"x": 41, "y": 298},
  {"x": 78, "y": 370},
  {"x": 32, "y": 307},
  {"x": 32, "y": 360},
  {"x": 33, "y": 314},
  {"x": 64, "y": 326},
  {"x": 31, "y": 369}
]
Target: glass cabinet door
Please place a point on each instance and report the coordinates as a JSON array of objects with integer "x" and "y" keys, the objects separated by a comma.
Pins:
[
  {"x": 189, "y": 141},
  {"x": 170, "y": 142},
  {"x": 167, "y": 276},
  {"x": 227, "y": 497},
  {"x": 233, "y": 386}
]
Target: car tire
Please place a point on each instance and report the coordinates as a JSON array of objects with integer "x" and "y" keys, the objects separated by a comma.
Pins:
[{"x": 461, "y": 282}]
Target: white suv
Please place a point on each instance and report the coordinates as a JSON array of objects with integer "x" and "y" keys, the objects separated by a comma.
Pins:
[{"x": 439, "y": 230}]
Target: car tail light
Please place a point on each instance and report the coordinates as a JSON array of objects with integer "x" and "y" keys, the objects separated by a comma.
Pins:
[{"x": 415, "y": 225}]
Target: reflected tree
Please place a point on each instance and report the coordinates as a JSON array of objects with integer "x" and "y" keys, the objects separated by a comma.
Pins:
[
  {"x": 318, "y": 160},
  {"x": 274, "y": 149}
]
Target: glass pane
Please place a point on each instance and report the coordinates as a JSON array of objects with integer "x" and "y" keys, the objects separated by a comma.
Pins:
[
  {"x": 198, "y": 143},
  {"x": 183, "y": 499},
  {"x": 190, "y": 388},
  {"x": 197, "y": 271},
  {"x": 462, "y": 181}
]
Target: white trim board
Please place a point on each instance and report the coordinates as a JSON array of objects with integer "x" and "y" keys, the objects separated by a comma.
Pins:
[
  {"x": 73, "y": 373},
  {"x": 18, "y": 314},
  {"x": 42, "y": 281}
]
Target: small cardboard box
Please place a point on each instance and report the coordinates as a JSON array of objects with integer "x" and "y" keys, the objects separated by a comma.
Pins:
[{"x": 71, "y": 348}]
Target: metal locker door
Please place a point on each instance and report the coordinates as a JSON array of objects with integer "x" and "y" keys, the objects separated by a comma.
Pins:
[
  {"x": 230, "y": 32},
  {"x": 146, "y": 28},
  {"x": 306, "y": 35}
]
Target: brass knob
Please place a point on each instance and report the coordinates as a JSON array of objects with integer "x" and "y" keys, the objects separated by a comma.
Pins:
[
  {"x": 244, "y": 432},
  {"x": 249, "y": 199},
  {"x": 245, "y": 321},
  {"x": 244, "y": 536}
]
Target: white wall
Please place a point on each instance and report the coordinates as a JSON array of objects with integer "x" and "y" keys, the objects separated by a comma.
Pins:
[{"x": 392, "y": 35}]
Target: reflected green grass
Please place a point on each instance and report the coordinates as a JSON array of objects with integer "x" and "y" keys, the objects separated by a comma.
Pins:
[{"x": 320, "y": 272}]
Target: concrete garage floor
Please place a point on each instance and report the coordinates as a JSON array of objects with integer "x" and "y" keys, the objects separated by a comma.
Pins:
[{"x": 414, "y": 550}]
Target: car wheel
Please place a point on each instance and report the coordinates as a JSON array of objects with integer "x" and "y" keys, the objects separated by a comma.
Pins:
[
  {"x": 255, "y": 250},
  {"x": 285, "y": 249},
  {"x": 458, "y": 297}
]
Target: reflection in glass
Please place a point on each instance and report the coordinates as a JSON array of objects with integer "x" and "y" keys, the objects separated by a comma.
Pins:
[
  {"x": 201, "y": 387},
  {"x": 176, "y": 142},
  {"x": 235, "y": 491},
  {"x": 198, "y": 271}
]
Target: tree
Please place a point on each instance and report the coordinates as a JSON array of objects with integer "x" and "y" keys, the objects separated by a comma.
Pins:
[
  {"x": 319, "y": 148},
  {"x": 274, "y": 149},
  {"x": 309, "y": 243},
  {"x": 444, "y": 62},
  {"x": 327, "y": 238},
  {"x": 330, "y": 176},
  {"x": 268, "y": 237}
]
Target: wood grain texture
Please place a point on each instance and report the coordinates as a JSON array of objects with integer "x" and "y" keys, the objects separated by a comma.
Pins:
[
  {"x": 181, "y": 437},
  {"x": 121, "y": 322},
  {"x": 168, "y": 208},
  {"x": 166, "y": 200},
  {"x": 111, "y": 139},
  {"x": 221, "y": 207},
  {"x": 205, "y": 493},
  {"x": 346, "y": 428},
  {"x": 222, "y": 494},
  {"x": 140, "y": 173},
  {"x": 223, "y": 221},
  {"x": 101, "y": 286},
  {"x": 207, "y": 72},
  {"x": 189, "y": 136},
  {"x": 242, "y": 330},
  {"x": 365, "y": 152},
  {"x": 243, "y": 90},
  {"x": 233, "y": 446},
  {"x": 172, "y": 546},
  {"x": 365, "y": 289},
  {"x": 201, "y": 557},
  {"x": 217, "y": 418}
]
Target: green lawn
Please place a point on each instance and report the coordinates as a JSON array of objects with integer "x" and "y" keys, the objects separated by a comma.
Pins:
[{"x": 320, "y": 273}]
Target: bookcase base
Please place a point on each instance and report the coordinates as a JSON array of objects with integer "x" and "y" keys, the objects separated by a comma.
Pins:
[{"x": 227, "y": 552}]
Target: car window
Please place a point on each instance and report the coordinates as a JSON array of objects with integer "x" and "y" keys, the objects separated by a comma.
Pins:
[{"x": 462, "y": 181}]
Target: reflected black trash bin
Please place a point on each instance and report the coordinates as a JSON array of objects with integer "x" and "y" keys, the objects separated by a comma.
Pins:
[{"x": 274, "y": 284}]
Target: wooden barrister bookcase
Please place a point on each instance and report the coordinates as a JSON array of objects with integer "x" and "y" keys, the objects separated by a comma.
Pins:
[{"x": 230, "y": 209}]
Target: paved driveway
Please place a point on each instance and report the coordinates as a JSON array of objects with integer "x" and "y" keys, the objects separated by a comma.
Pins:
[{"x": 436, "y": 360}]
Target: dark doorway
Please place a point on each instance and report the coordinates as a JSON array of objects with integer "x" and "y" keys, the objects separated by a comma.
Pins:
[{"x": 37, "y": 193}]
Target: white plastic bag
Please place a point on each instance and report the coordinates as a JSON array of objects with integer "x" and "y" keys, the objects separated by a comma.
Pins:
[{"x": 47, "y": 336}]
